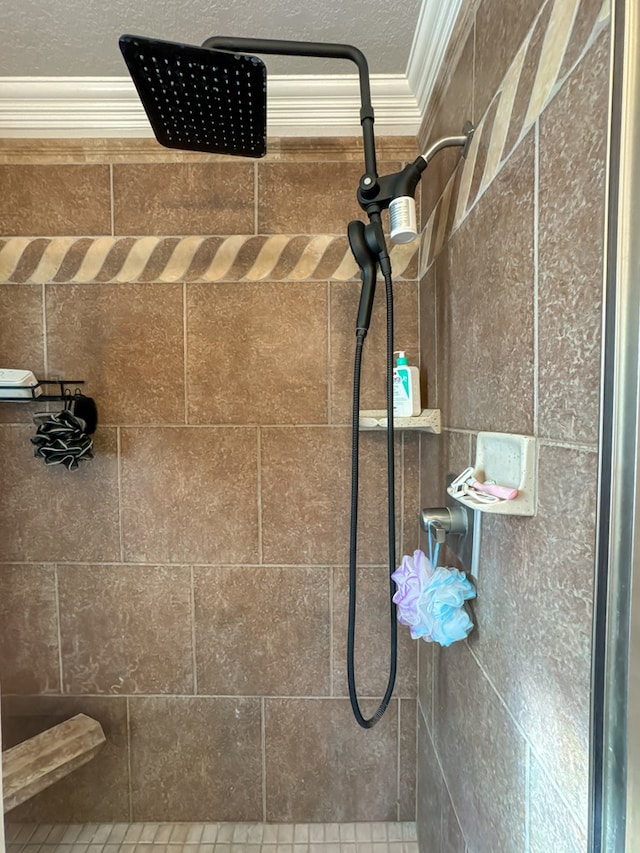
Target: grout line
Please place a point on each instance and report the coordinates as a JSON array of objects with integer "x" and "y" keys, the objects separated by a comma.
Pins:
[
  {"x": 442, "y": 796},
  {"x": 259, "y": 494},
  {"x": 417, "y": 757},
  {"x": 157, "y": 563},
  {"x": 57, "y": 602},
  {"x": 419, "y": 497},
  {"x": 473, "y": 68},
  {"x": 263, "y": 748},
  {"x": 402, "y": 492},
  {"x": 112, "y": 200},
  {"x": 536, "y": 277},
  {"x": 45, "y": 333},
  {"x": 130, "y": 786},
  {"x": 527, "y": 799},
  {"x": 120, "y": 527},
  {"x": 398, "y": 775},
  {"x": 432, "y": 699},
  {"x": 329, "y": 378},
  {"x": 437, "y": 359},
  {"x": 228, "y": 426},
  {"x": 184, "y": 351},
  {"x": 108, "y": 697},
  {"x": 444, "y": 782},
  {"x": 550, "y": 442},
  {"x": 331, "y": 630},
  {"x": 546, "y": 442},
  {"x": 255, "y": 198},
  {"x": 521, "y": 731},
  {"x": 193, "y": 632}
]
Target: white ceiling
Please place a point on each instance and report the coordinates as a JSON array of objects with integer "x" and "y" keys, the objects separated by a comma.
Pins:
[{"x": 79, "y": 38}]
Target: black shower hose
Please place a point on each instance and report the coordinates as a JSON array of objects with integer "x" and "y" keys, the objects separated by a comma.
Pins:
[{"x": 353, "y": 537}]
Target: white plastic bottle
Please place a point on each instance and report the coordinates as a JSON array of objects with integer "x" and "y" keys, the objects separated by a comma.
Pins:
[{"x": 406, "y": 388}]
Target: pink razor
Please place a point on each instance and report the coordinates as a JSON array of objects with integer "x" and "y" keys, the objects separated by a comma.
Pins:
[{"x": 505, "y": 493}]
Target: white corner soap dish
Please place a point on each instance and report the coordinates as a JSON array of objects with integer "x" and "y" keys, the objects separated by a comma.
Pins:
[{"x": 506, "y": 460}]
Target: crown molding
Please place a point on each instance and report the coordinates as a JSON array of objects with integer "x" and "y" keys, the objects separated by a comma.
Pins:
[
  {"x": 430, "y": 40},
  {"x": 303, "y": 105}
]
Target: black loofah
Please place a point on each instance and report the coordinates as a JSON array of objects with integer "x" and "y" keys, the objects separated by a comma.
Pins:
[{"x": 61, "y": 439}]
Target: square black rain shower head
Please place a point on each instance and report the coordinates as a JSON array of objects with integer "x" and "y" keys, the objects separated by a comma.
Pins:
[{"x": 199, "y": 99}]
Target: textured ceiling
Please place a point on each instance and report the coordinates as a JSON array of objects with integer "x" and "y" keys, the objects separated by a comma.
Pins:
[{"x": 79, "y": 38}]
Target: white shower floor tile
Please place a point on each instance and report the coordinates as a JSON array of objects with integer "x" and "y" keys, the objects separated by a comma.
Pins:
[{"x": 212, "y": 838}]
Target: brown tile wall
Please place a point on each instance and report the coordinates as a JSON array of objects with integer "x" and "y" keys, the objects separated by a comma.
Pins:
[
  {"x": 510, "y": 310},
  {"x": 187, "y": 587}
]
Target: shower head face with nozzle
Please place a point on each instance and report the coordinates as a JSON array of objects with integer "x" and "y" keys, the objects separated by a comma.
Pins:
[{"x": 199, "y": 99}]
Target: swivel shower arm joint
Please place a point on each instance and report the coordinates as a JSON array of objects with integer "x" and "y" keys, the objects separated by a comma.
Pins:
[{"x": 375, "y": 195}]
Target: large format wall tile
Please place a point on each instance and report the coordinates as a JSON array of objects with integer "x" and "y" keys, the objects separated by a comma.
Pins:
[
  {"x": 126, "y": 342},
  {"x": 482, "y": 755},
  {"x": 262, "y": 631},
  {"x": 305, "y": 496},
  {"x": 189, "y": 495},
  {"x": 21, "y": 340},
  {"x": 455, "y": 109},
  {"x": 28, "y": 630},
  {"x": 441, "y": 455},
  {"x": 534, "y": 616},
  {"x": 425, "y": 681},
  {"x": 572, "y": 179},
  {"x": 530, "y": 52},
  {"x": 310, "y": 198},
  {"x": 21, "y": 337},
  {"x": 344, "y": 307},
  {"x": 184, "y": 198},
  {"x": 50, "y": 514},
  {"x": 321, "y": 766},
  {"x": 408, "y": 756},
  {"x": 452, "y": 838},
  {"x": 551, "y": 824},
  {"x": 126, "y": 629},
  {"x": 52, "y": 200},
  {"x": 438, "y": 828},
  {"x": 269, "y": 365},
  {"x": 486, "y": 281},
  {"x": 96, "y": 792},
  {"x": 411, "y": 503},
  {"x": 583, "y": 26},
  {"x": 500, "y": 30},
  {"x": 429, "y": 338},
  {"x": 430, "y": 793},
  {"x": 372, "y": 636},
  {"x": 198, "y": 759}
]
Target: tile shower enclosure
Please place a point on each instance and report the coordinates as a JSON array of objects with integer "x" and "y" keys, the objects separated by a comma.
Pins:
[{"x": 188, "y": 586}]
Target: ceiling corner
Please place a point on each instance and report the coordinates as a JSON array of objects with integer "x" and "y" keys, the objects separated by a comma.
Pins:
[{"x": 430, "y": 40}]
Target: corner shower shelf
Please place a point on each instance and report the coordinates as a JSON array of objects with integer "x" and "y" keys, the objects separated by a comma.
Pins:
[{"x": 427, "y": 421}]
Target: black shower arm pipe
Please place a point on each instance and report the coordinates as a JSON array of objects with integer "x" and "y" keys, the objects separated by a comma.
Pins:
[{"x": 319, "y": 50}]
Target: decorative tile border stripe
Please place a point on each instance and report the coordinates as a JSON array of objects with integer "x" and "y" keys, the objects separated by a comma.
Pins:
[
  {"x": 35, "y": 260},
  {"x": 563, "y": 31}
]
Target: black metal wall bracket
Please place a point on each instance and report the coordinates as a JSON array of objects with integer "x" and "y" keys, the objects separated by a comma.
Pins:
[{"x": 65, "y": 391}]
